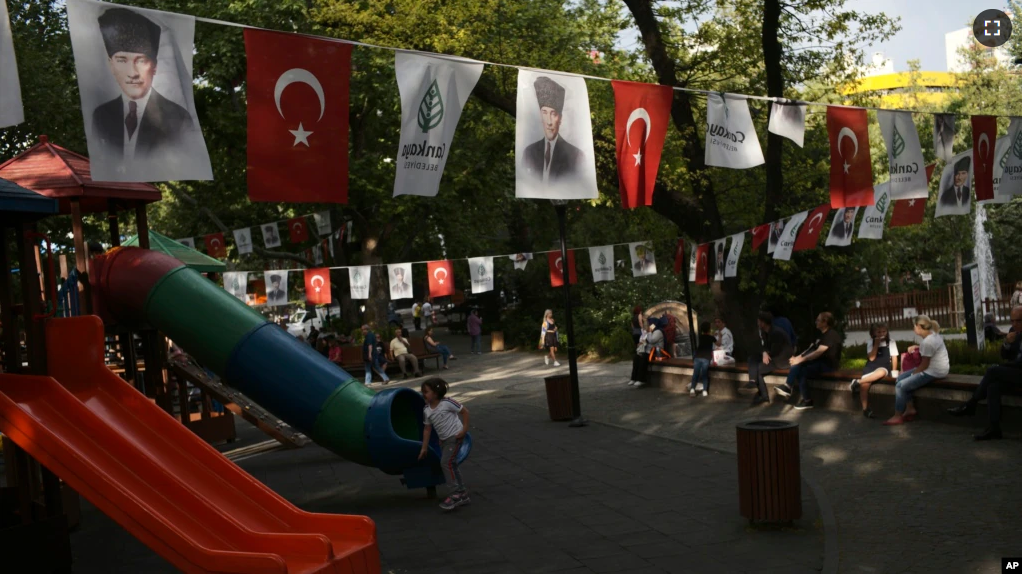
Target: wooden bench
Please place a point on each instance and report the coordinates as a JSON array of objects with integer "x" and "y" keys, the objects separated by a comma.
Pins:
[
  {"x": 830, "y": 390},
  {"x": 418, "y": 349}
]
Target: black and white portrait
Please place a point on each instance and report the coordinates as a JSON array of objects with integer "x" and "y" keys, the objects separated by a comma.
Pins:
[
  {"x": 843, "y": 227},
  {"x": 400, "y": 281},
  {"x": 271, "y": 235},
  {"x": 776, "y": 232},
  {"x": 554, "y": 140},
  {"x": 134, "y": 70},
  {"x": 955, "y": 187},
  {"x": 521, "y": 260},
  {"x": 719, "y": 260},
  {"x": 643, "y": 261},
  {"x": 276, "y": 288},
  {"x": 944, "y": 136}
]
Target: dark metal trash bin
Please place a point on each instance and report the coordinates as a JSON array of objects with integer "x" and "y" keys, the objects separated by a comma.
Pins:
[
  {"x": 558, "y": 397},
  {"x": 769, "y": 474}
]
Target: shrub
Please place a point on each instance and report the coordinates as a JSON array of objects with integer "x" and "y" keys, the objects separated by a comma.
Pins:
[{"x": 965, "y": 360}]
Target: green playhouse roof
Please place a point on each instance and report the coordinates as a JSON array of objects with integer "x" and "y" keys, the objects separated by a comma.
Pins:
[{"x": 196, "y": 260}]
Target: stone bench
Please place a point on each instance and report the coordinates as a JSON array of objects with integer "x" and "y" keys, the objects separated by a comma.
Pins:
[{"x": 830, "y": 391}]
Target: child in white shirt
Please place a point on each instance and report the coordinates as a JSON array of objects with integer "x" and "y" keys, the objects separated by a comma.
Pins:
[{"x": 450, "y": 420}]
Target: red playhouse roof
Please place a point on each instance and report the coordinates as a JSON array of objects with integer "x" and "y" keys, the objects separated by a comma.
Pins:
[{"x": 55, "y": 172}]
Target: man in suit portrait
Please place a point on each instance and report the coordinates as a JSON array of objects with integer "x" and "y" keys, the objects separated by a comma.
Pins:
[
  {"x": 139, "y": 121},
  {"x": 270, "y": 235},
  {"x": 844, "y": 229},
  {"x": 776, "y": 231},
  {"x": 552, "y": 158},
  {"x": 400, "y": 287},
  {"x": 957, "y": 194},
  {"x": 718, "y": 271},
  {"x": 643, "y": 261},
  {"x": 275, "y": 295}
]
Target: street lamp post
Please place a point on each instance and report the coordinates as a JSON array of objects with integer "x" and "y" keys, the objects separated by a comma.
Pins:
[{"x": 576, "y": 400}]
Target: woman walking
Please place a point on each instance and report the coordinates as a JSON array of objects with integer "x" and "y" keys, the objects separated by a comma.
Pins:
[
  {"x": 548, "y": 338},
  {"x": 935, "y": 365},
  {"x": 475, "y": 330}
]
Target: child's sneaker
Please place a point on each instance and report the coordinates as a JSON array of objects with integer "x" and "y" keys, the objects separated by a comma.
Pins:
[
  {"x": 691, "y": 392},
  {"x": 461, "y": 499},
  {"x": 448, "y": 504}
]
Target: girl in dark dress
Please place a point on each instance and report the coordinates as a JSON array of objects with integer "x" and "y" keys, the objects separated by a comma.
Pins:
[
  {"x": 548, "y": 338},
  {"x": 880, "y": 351}
]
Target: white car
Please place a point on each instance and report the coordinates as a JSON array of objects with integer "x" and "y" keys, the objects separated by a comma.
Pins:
[{"x": 299, "y": 325}]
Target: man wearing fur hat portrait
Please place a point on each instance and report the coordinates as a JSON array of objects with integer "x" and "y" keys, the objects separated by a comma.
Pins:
[
  {"x": 957, "y": 194},
  {"x": 551, "y": 158},
  {"x": 139, "y": 121}
]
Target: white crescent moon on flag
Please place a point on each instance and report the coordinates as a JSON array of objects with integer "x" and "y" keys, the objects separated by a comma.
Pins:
[
  {"x": 297, "y": 227},
  {"x": 302, "y": 76},
  {"x": 214, "y": 242},
  {"x": 318, "y": 277},
  {"x": 637, "y": 114},
  {"x": 817, "y": 218},
  {"x": 559, "y": 265},
  {"x": 846, "y": 131},
  {"x": 438, "y": 270},
  {"x": 983, "y": 138}
]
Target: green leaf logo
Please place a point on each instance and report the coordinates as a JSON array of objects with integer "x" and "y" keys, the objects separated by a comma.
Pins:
[
  {"x": 882, "y": 204},
  {"x": 898, "y": 144},
  {"x": 431, "y": 109},
  {"x": 1016, "y": 146},
  {"x": 481, "y": 271},
  {"x": 602, "y": 259},
  {"x": 358, "y": 276}
]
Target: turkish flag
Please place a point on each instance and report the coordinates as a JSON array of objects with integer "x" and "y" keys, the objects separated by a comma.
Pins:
[
  {"x": 215, "y": 245},
  {"x": 557, "y": 268},
  {"x": 984, "y": 134},
  {"x": 317, "y": 285},
  {"x": 441, "y": 278},
  {"x": 299, "y": 230},
  {"x": 809, "y": 235},
  {"x": 702, "y": 267},
  {"x": 641, "y": 114},
  {"x": 760, "y": 234},
  {"x": 679, "y": 256},
  {"x": 907, "y": 212},
  {"x": 851, "y": 173},
  {"x": 297, "y": 118}
]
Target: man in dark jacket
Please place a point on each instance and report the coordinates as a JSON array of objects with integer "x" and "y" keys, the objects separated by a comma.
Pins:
[
  {"x": 140, "y": 121},
  {"x": 551, "y": 158},
  {"x": 995, "y": 379},
  {"x": 776, "y": 355}
]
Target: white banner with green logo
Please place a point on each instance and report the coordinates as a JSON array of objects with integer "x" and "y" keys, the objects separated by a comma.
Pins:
[
  {"x": 734, "y": 254},
  {"x": 358, "y": 277},
  {"x": 236, "y": 284},
  {"x": 1002, "y": 149},
  {"x": 1010, "y": 183},
  {"x": 433, "y": 93},
  {"x": 872, "y": 225},
  {"x": 601, "y": 259},
  {"x": 904, "y": 156},
  {"x": 482, "y": 274}
]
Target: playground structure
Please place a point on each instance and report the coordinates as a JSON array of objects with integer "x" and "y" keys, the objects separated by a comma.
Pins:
[{"x": 72, "y": 425}]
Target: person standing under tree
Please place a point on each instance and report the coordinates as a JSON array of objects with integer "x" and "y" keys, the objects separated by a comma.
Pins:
[
  {"x": 427, "y": 314},
  {"x": 450, "y": 420},
  {"x": 417, "y": 316},
  {"x": 475, "y": 330},
  {"x": 1016, "y": 297},
  {"x": 638, "y": 323},
  {"x": 548, "y": 338},
  {"x": 370, "y": 356}
]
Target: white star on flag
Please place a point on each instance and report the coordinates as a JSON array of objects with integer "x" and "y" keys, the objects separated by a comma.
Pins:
[
  {"x": 441, "y": 281},
  {"x": 911, "y": 203},
  {"x": 847, "y": 165},
  {"x": 302, "y": 136},
  {"x": 638, "y": 158}
]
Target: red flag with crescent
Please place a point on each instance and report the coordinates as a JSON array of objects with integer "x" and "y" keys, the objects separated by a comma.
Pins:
[
  {"x": 702, "y": 264},
  {"x": 557, "y": 268},
  {"x": 297, "y": 118},
  {"x": 441, "y": 278},
  {"x": 215, "y": 245},
  {"x": 317, "y": 285},
  {"x": 679, "y": 256},
  {"x": 641, "y": 114},
  {"x": 851, "y": 172},
  {"x": 984, "y": 135},
  {"x": 910, "y": 212},
  {"x": 809, "y": 235},
  {"x": 299, "y": 230},
  {"x": 760, "y": 234}
]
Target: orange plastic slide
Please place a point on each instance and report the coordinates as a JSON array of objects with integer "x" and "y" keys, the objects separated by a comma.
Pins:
[{"x": 167, "y": 487}]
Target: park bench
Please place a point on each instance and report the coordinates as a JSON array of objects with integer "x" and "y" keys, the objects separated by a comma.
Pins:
[
  {"x": 418, "y": 349},
  {"x": 830, "y": 390}
]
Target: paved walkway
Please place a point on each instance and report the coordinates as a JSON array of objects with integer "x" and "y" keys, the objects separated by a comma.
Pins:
[{"x": 650, "y": 485}]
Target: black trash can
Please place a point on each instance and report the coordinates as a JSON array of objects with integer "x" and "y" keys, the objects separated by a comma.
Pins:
[
  {"x": 769, "y": 473},
  {"x": 558, "y": 397}
]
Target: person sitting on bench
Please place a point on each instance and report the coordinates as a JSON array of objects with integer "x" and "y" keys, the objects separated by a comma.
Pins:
[
  {"x": 880, "y": 349},
  {"x": 776, "y": 355},
  {"x": 821, "y": 357},
  {"x": 996, "y": 378}
]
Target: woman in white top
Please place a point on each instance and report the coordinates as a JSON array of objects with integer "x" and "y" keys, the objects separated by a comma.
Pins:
[
  {"x": 880, "y": 351},
  {"x": 935, "y": 365}
]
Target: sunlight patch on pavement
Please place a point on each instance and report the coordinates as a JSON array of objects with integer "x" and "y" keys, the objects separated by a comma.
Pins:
[
  {"x": 827, "y": 426},
  {"x": 829, "y": 454}
]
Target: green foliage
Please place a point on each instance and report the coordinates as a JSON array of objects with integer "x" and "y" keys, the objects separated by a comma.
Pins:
[{"x": 965, "y": 359}]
